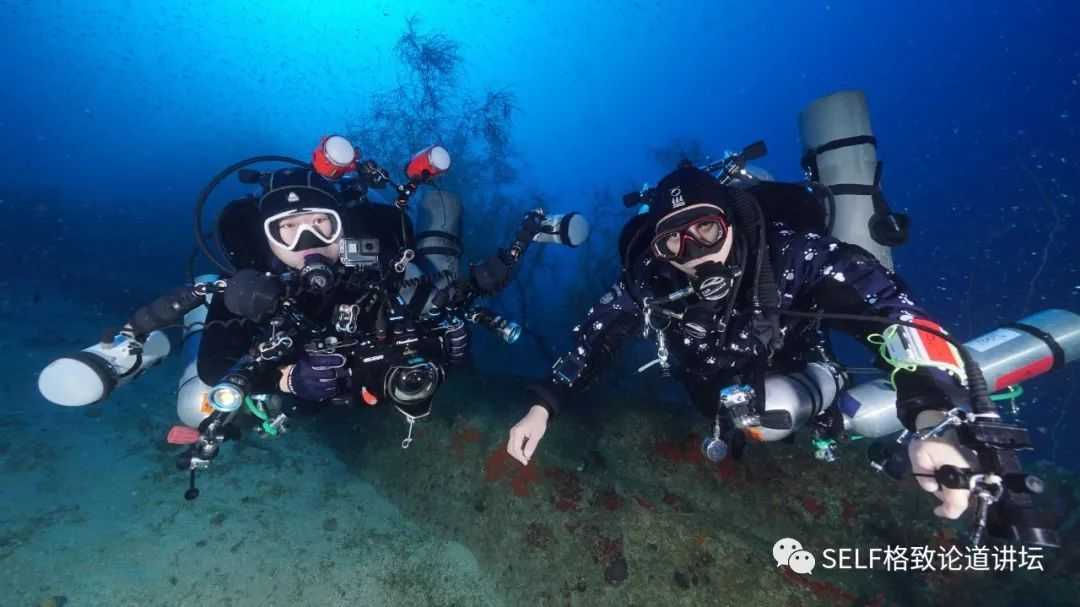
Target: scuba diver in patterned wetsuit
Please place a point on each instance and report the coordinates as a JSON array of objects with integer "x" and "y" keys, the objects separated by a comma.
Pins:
[{"x": 709, "y": 279}]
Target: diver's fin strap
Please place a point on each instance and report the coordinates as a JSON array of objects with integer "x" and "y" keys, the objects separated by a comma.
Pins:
[{"x": 1043, "y": 336}]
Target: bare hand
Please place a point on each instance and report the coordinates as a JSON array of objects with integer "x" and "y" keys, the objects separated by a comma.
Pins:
[
  {"x": 526, "y": 434},
  {"x": 930, "y": 454}
]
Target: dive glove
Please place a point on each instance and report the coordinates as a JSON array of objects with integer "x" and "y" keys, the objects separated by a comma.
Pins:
[{"x": 315, "y": 376}]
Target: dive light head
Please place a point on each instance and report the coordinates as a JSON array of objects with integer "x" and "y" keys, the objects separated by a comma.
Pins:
[
  {"x": 509, "y": 331},
  {"x": 428, "y": 163},
  {"x": 229, "y": 393},
  {"x": 334, "y": 157},
  {"x": 226, "y": 396},
  {"x": 570, "y": 229}
]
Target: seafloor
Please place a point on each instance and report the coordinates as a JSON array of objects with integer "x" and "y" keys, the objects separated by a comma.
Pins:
[{"x": 618, "y": 509}]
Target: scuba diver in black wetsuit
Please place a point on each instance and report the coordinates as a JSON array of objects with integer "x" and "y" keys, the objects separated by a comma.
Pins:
[
  {"x": 326, "y": 297},
  {"x": 693, "y": 283},
  {"x": 300, "y": 215},
  {"x": 737, "y": 303}
]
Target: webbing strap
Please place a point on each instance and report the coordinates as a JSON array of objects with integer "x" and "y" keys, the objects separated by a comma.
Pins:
[
  {"x": 440, "y": 234},
  {"x": 809, "y": 158},
  {"x": 1046, "y": 338}
]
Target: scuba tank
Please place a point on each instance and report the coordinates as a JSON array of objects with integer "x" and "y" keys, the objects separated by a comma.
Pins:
[
  {"x": 438, "y": 247},
  {"x": 798, "y": 396},
  {"x": 840, "y": 156},
  {"x": 1008, "y": 355},
  {"x": 191, "y": 404},
  {"x": 90, "y": 376}
]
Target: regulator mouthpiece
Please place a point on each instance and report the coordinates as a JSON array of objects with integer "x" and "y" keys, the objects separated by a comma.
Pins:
[
  {"x": 428, "y": 163},
  {"x": 317, "y": 275},
  {"x": 334, "y": 157}
]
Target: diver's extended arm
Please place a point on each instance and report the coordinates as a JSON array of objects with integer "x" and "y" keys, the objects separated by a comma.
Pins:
[
  {"x": 603, "y": 331},
  {"x": 844, "y": 279}
]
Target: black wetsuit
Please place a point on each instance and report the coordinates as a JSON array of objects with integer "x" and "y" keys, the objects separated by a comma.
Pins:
[
  {"x": 225, "y": 343},
  {"x": 813, "y": 272}
]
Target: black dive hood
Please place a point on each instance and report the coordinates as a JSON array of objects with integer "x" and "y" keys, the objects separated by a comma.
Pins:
[{"x": 243, "y": 219}]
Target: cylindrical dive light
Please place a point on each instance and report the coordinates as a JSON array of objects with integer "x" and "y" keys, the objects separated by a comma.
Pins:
[
  {"x": 90, "y": 376},
  {"x": 334, "y": 157},
  {"x": 1007, "y": 356},
  {"x": 507, "y": 330},
  {"x": 228, "y": 394},
  {"x": 428, "y": 163},
  {"x": 571, "y": 229}
]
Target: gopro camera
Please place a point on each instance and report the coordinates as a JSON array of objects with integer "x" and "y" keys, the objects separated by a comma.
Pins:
[{"x": 360, "y": 253}]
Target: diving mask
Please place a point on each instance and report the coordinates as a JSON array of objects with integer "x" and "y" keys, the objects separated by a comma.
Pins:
[
  {"x": 694, "y": 232},
  {"x": 304, "y": 228}
]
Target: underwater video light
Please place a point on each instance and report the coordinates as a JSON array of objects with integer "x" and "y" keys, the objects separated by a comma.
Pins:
[
  {"x": 334, "y": 157},
  {"x": 428, "y": 163},
  {"x": 570, "y": 229},
  {"x": 226, "y": 397}
]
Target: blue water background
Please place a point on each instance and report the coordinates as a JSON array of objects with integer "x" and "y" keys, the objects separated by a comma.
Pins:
[{"x": 114, "y": 114}]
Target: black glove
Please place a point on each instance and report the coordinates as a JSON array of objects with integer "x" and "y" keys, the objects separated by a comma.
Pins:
[
  {"x": 920, "y": 391},
  {"x": 490, "y": 275},
  {"x": 315, "y": 376}
]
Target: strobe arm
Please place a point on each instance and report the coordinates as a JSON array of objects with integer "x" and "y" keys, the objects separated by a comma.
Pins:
[
  {"x": 493, "y": 274},
  {"x": 169, "y": 309},
  {"x": 531, "y": 225}
]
